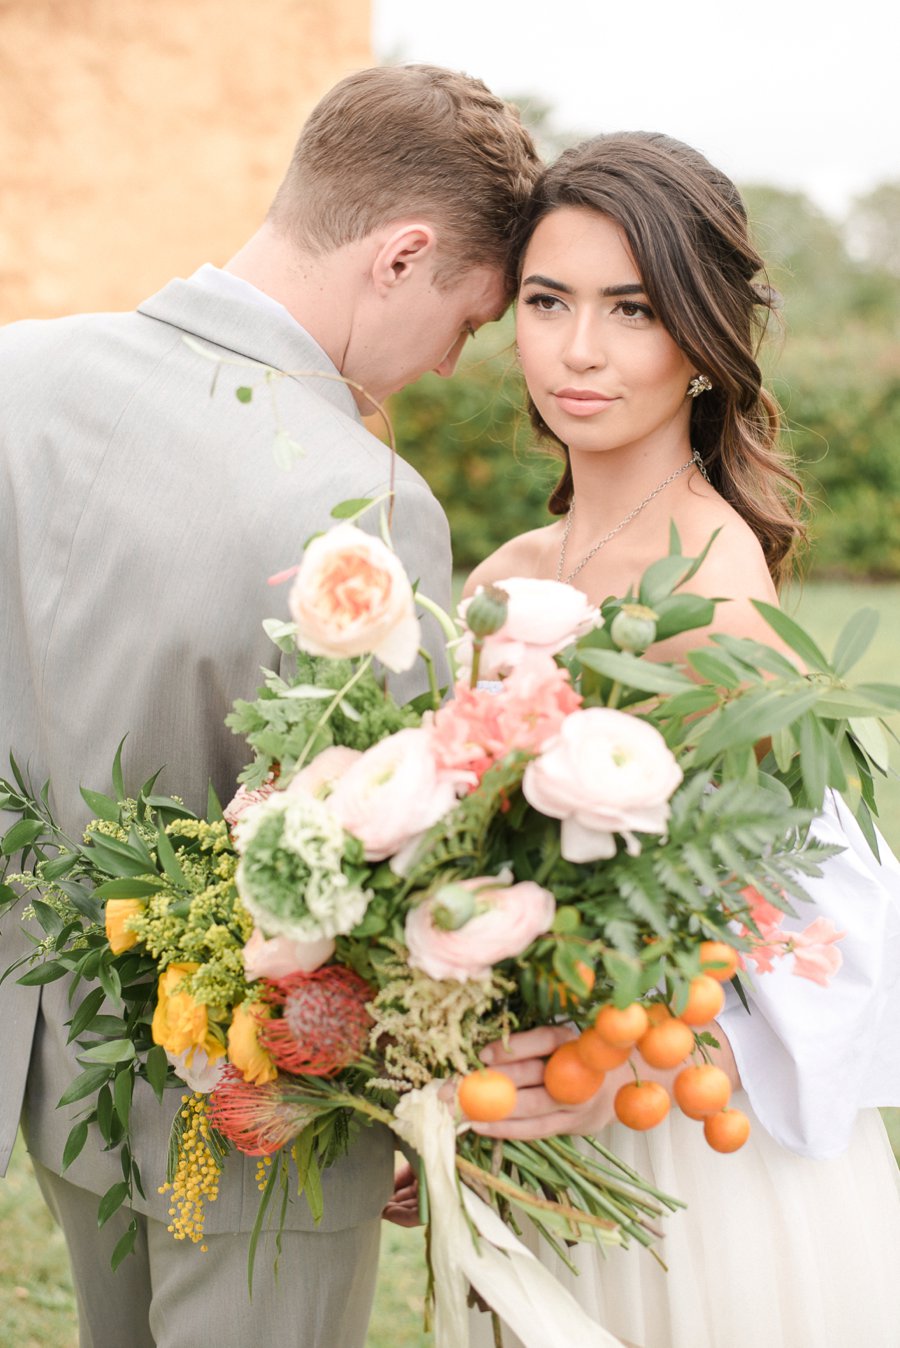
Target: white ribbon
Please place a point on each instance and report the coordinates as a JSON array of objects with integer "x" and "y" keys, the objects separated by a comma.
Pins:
[{"x": 511, "y": 1279}]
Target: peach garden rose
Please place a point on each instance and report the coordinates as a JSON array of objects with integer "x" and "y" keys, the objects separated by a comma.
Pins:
[{"x": 352, "y": 597}]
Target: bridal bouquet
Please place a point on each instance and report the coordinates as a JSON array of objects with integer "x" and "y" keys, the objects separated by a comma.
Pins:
[{"x": 576, "y": 834}]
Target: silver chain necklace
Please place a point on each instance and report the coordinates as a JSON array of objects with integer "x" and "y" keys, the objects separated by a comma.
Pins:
[{"x": 693, "y": 462}]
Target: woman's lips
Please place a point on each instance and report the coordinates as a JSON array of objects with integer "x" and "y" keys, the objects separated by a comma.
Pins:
[{"x": 582, "y": 402}]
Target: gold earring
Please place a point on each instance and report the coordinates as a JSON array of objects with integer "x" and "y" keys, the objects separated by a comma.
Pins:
[{"x": 699, "y": 384}]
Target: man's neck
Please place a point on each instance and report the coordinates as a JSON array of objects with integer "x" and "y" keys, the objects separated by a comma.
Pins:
[{"x": 314, "y": 290}]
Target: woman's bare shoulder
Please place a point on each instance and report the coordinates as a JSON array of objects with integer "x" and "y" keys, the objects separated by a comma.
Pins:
[{"x": 525, "y": 555}]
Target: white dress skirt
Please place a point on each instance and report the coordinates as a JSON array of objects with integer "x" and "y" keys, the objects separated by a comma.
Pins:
[
  {"x": 773, "y": 1250},
  {"x": 793, "y": 1241}
]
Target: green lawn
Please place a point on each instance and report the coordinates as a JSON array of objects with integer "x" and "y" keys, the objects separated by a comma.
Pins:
[{"x": 36, "y": 1302}]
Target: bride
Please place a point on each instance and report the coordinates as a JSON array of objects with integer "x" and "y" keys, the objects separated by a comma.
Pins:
[{"x": 637, "y": 325}]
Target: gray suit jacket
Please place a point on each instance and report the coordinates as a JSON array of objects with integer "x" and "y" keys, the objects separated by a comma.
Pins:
[{"x": 139, "y": 520}]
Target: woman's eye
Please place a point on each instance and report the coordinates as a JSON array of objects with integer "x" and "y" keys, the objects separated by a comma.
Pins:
[
  {"x": 545, "y": 304},
  {"x": 631, "y": 309}
]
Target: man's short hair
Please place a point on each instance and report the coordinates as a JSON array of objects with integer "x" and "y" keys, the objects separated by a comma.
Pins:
[{"x": 417, "y": 140}]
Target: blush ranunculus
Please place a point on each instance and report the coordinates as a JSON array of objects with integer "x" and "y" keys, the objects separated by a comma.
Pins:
[
  {"x": 506, "y": 919},
  {"x": 281, "y": 956},
  {"x": 606, "y": 772},
  {"x": 393, "y": 793},
  {"x": 542, "y": 615},
  {"x": 318, "y": 778},
  {"x": 351, "y": 596}
]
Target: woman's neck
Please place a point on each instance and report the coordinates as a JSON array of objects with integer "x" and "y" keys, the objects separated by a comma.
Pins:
[{"x": 608, "y": 485}]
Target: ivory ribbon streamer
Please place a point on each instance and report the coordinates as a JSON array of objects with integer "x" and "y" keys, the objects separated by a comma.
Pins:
[{"x": 511, "y": 1279}]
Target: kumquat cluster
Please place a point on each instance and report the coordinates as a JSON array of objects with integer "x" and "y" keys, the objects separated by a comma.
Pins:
[{"x": 571, "y": 834}]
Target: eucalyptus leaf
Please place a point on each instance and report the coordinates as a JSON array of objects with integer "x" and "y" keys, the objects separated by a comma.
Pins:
[
  {"x": 124, "y": 1245},
  {"x": 634, "y": 672},
  {"x": 715, "y": 668},
  {"x": 115, "y": 1051},
  {"x": 48, "y": 972},
  {"x": 870, "y": 737},
  {"x": 170, "y": 863},
  {"x": 350, "y": 510},
  {"x": 21, "y": 835},
  {"x": 49, "y": 919},
  {"x": 128, "y": 888},
  {"x": 157, "y": 1069},
  {"x": 85, "y": 1013},
  {"x": 111, "y": 1201},
  {"x": 751, "y": 718},
  {"x": 792, "y": 634},
  {"x": 682, "y": 613},
  {"x": 74, "y": 1144},
  {"x": 102, "y": 806},
  {"x": 854, "y": 640},
  {"x": 88, "y": 1083},
  {"x": 118, "y": 779}
]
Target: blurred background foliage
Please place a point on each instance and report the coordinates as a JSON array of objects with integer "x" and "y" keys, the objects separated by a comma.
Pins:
[{"x": 833, "y": 361}]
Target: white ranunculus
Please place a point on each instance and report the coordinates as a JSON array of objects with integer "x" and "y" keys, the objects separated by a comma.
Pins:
[
  {"x": 606, "y": 772},
  {"x": 542, "y": 615},
  {"x": 351, "y": 597}
]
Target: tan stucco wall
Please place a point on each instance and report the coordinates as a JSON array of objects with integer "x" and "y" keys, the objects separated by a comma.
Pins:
[{"x": 140, "y": 138}]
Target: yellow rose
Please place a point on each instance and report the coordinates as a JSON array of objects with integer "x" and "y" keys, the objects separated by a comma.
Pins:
[
  {"x": 180, "y": 1024},
  {"x": 244, "y": 1048},
  {"x": 118, "y": 911}
]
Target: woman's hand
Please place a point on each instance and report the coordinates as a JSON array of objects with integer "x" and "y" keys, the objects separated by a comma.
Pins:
[{"x": 536, "y": 1113}]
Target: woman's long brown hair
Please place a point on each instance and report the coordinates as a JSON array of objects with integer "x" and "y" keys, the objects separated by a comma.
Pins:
[{"x": 686, "y": 226}]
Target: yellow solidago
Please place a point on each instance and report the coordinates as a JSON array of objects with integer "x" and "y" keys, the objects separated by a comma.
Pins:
[{"x": 196, "y": 1178}]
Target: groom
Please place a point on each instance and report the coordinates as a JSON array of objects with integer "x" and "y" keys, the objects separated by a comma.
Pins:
[{"x": 139, "y": 519}]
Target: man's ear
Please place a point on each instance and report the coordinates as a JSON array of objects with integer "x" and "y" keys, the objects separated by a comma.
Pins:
[{"x": 402, "y": 253}]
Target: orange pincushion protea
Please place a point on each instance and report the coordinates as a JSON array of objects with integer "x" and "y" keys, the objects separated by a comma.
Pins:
[
  {"x": 324, "y": 1023},
  {"x": 258, "y": 1120}
]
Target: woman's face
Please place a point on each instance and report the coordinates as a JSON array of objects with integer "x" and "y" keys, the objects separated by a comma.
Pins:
[{"x": 601, "y": 368}]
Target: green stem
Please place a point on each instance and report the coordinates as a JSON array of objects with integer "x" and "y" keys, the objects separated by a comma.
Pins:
[
  {"x": 615, "y": 695},
  {"x": 432, "y": 678},
  {"x": 477, "y": 647},
  {"x": 323, "y": 719}
]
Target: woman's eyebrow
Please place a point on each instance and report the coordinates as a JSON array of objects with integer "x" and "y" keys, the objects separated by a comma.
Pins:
[{"x": 629, "y": 288}]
